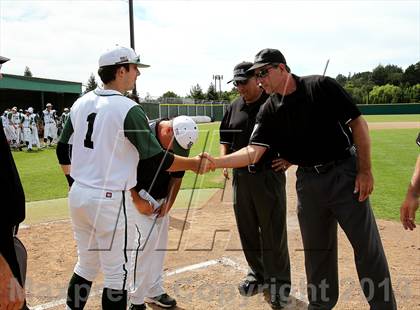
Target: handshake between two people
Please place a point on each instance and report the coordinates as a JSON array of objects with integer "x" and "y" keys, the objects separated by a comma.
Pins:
[{"x": 242, "y": 158}]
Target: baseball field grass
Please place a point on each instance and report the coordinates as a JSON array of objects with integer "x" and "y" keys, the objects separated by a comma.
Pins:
[
  {"x": 393, "y": 118},
  {"x": 393, "y": 156}
]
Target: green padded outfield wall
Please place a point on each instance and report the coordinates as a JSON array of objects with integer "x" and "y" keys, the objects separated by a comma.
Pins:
[
  {"x": 154, "y": 110},
  {"x": 216, "y": 111},
  {"x": 390, "y": 108}
]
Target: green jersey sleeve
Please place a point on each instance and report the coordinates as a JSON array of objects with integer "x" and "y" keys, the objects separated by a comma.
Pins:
[
  {"x": 137, "y": 131},
  {"x": 67, "y": 132}
]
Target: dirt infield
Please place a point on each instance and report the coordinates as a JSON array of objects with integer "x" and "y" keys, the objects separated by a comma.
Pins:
[
  {"x": 394, "y": 125},
  {"x": 210, "y": 239}
]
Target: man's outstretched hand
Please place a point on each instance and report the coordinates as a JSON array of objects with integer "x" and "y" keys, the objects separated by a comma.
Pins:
[{"x": 206, "y": 163}]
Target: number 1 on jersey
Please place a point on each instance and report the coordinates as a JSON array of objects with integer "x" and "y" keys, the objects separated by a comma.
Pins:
[{"x": 88, "y": 139}]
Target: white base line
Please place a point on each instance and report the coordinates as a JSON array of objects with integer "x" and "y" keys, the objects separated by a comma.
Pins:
[
  {"x": 225, "y": 261},
  {"x": 201, "y": 265}
]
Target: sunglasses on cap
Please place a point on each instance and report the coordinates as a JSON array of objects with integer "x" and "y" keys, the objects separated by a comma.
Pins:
[
  {"x": 237, "y": 83},
  {"x": 264, "y": 72}
]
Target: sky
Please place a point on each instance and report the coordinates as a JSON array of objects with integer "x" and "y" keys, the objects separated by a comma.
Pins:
[{"x": 187, "y": 42}]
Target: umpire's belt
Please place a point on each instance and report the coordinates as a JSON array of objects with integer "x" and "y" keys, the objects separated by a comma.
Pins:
[
  {"x": 324, "y": 168},
  {"x": 254, "y": 168}
]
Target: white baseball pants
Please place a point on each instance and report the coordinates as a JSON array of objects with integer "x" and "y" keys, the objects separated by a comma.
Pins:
[
  {"x": 147, "y": 267},
  {"x": 103, "y": 232}
]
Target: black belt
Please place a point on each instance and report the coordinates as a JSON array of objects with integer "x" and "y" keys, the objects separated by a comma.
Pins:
[
  {"x": 325, "y": 167},
  {"x": 254, "y": 168}
]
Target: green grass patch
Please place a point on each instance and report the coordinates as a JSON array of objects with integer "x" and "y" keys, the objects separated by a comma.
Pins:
[
  {"x": 393, "y": 118},
  {"x": 57, "y": 209},
  {"x": 41, "y": 175},
  {"x": 208, "y": 142},
  {"x": 46, "y": 211},
  {"x": 394, "y": 154}
]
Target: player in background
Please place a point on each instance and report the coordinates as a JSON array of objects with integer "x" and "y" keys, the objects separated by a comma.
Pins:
[
  {"x": 34, "y": 127},
  {"x": 175, "y": 136},
  {"x": 62, "y": 120},
  {"x": 5, "y": 124},
  {"x": 50, "y": 125},
  {"x": 15, "y": 128},
  {"x": 65, "y": 115},
  {"x": 27, "y": 130}
]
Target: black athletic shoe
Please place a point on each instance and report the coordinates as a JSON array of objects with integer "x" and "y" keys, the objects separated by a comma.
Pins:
[
  {"x": 249, "y": 287},
  {"x": 278, "y": 301},
  {"x": 137, "y": 307},
  {"x": 164, "y": 301}
]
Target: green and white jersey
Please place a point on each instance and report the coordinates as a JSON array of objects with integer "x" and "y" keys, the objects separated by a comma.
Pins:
[
  {"x": 64, "y": 117},
  {"x": 110, "y": 134},
  {"x": 15, "y": 118},
  {"x": 34, "y": 119},
  {"x": 27, "y": 121}
]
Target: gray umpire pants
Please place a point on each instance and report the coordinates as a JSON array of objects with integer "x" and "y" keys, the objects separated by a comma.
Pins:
[
  {"x": 323, "y": 200},
  {"x": 260, "y": 211}
]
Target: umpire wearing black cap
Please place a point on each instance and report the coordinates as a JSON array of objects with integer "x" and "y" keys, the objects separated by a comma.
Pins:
[
  {"x": 13, "y": 212},
  {"x": 259, "y": 195},
  {"x": 315, "y": 124}
]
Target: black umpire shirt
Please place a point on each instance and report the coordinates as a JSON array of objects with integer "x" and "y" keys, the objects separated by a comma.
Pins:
[
  {"x": 309, "y": 126},
  {"x": 238, "y": 123},
  {"x": 150, "y": 178},
  {"x": 11, "y": 191}
]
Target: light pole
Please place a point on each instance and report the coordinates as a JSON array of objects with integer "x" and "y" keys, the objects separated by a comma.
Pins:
[
  {"x": 220, "y": 78},
  {"x": 130, "y": 12}
]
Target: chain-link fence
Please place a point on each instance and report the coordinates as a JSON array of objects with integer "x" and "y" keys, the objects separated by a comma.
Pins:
[{"x": 172, "y": 107}]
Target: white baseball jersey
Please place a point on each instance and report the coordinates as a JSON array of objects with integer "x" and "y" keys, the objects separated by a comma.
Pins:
[
  {"x": 27, "y": 121},
  {"x": 34, "y": 119},
  {"x": 64, "y": 117},
  {"x": 4, "y": 121},
  {"x": 49, "y": 116},
  {"x": 15, "y": 118},
  {"x": 109, "y": 131}
]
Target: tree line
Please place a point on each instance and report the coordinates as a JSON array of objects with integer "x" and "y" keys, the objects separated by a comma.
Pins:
[
  {"x": 384, "y": 84},
  {"x": 196, "y": 92}
]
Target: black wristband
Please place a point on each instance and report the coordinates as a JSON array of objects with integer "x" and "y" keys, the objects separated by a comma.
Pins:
[{"x": 70, "y": 180}]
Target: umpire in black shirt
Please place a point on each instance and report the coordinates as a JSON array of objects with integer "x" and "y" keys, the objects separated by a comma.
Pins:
[
  {"x": 259, "y": 195},
  {"x": 13, "y": 212},
  {"x": 313, "y": 123}
]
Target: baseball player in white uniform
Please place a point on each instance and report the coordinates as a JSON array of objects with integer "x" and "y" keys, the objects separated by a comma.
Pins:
[
  {"x": 177, "y": 136},
  {"x": 110, "y": 133},
  {"x": 50, "y": 125},
  {"x": 27, "y": 130},
  {"x": 15, "y": 127},
  {"x": 34, "y": 127},
  {"x": 5, "y": 124}
]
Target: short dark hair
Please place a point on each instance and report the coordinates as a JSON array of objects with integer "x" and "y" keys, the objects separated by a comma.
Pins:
[
  {"x": 277, "y": 64},
  {"x": 107, "y": 73}
]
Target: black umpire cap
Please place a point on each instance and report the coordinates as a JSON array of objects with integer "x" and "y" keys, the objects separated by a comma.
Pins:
[
  {"x": 241, "y": 71},
  {"x": 268, "y": 56}
]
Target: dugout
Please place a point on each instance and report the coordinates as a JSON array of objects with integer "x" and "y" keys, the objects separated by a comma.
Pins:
[{"x": 23, "y": 92}]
